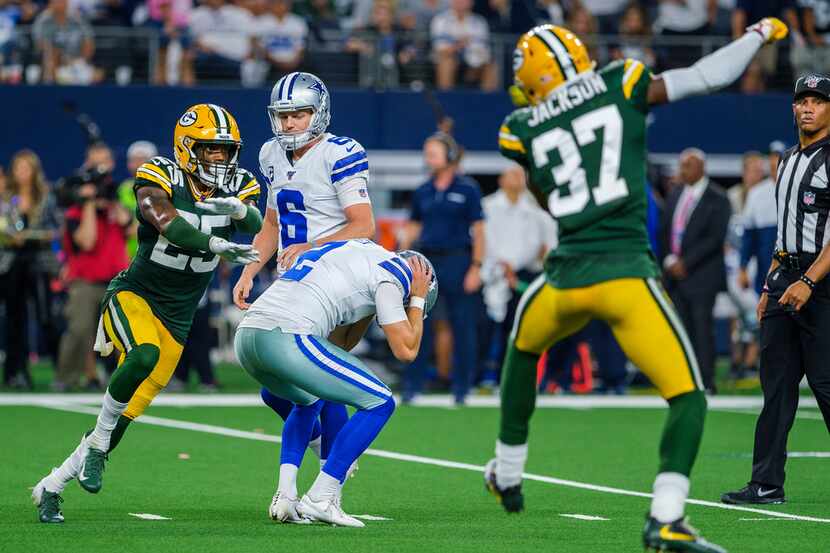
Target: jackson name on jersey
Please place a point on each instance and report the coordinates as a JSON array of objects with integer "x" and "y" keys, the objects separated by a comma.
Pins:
[
  {"x": 585, "y": 151},
  {"x": 329, "y": 286},
  {"x": 309, "y": 195},
  {"x": 170, "y": 279}
]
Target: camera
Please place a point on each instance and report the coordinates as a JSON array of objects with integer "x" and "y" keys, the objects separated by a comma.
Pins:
[{"x": 69, "y": 187}]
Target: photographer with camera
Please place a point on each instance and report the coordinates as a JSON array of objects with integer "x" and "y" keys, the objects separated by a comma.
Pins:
[{"x": 94, "y": 241}]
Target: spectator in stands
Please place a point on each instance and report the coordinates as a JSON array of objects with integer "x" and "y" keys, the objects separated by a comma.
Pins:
[
  {"x": 103, "y": 12},
  {"x": 280, "y": 38},
  {"x": 635, "y": 36},
  {"x": 221, "y": 36},
  {"x": 747, "y": 11},
  {"x": 814, "y": 56},
  {"x": 94, "y": 241},
  {"x": 581, "y": 22},
  {"x": 170, "y": 18},
  {"x": 29, "y": 222},
  {"x": 684, "y": 19},
  {"x": 383, "y": 44},
  {"x": 321, "y": 16},
  {"x": 753, "y": 81},
  {"x": 138, "y": 153},
  {"x": 461, "y": 44},
  {"x": 67, "y": 45},
  {"x": 510, "y": 264},
  {"x": 10, "y": 69},
  {"x": 446, "y": 221},
  {"x": 416, "y": 15},
  {"x": 693, "y": 233},
  {"x": 607, "y": 14},
  {"x": 759, "y": 224}
]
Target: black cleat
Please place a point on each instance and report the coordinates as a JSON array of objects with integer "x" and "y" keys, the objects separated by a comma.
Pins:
[
  {"x": 510, "y": 498},
  {"x": 675, "y": 536},
  {"x": 755, "y": 494}
]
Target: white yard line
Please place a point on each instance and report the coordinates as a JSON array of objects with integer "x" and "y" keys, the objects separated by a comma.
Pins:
[
  {"x": 572, "y": 402},
  {"x": 148, "y": 516},
  {"x": 583, "y": 517},
  {"x": 224, "y": 431}
]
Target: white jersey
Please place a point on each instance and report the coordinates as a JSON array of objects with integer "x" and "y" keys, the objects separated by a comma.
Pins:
[
  {"x": 338, "y": 283},
  {"x": 310, "y": 194}
]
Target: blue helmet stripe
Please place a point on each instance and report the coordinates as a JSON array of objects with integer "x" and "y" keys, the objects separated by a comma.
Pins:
[
  {"x": 350, "y": 171},
  {"x": 291, "y": 86},
  {"x": 282, "y": 85},
  {"x": 392, "y": 268},
  {"x": 348, "y": 160}
]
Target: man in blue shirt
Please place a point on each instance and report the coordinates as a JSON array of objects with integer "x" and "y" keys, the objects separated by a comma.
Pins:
[{"x": 447, "y": 223}]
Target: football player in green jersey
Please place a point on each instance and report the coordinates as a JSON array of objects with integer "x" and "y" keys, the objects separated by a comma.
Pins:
[
  {"x": 582, "y": 139},
  {"x": 187, "y": 211}
]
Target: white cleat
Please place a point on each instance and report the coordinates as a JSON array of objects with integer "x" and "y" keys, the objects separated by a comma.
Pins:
[
  {"x": 327, "y": 510},
  {"x": 284, "y": 509}
]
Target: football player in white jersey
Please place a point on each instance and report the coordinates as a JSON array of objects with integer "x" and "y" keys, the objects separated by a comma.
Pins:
[
  {"x": 317, "y": 194},
  {"x": 283, "y": 342}
]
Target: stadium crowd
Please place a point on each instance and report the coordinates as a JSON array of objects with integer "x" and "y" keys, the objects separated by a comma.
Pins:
[
  {"x": 380, "y": 43},
  {"x": 60, "y": 244}
]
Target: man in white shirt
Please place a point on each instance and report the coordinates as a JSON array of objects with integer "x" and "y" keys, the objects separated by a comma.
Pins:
[
  {"x": 684, "y": 18},
  {"x": 461, "y": 43},
  {"x": 281, "y": 36},
  {"x": 221, "y": 35},
  {"x": 509, "y": 264}
]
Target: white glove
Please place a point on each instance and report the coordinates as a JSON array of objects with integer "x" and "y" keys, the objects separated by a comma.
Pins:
[
  {"x": 232, "y": 206},
  {"x": 233, "y": 252}
]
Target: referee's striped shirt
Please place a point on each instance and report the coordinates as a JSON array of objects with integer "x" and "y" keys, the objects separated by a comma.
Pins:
[{"x": 802, "y": 199}]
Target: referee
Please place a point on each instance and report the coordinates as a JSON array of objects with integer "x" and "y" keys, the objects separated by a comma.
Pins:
[{"x": 794, "y": 308}]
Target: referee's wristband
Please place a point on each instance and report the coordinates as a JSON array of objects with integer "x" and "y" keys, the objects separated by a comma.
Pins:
[
  {"x": 808, "y": 281},
  {"x": 417, "y": 301}
]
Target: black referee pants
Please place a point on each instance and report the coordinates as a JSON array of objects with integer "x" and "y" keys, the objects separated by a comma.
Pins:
[{"x": 792, "y": 344}]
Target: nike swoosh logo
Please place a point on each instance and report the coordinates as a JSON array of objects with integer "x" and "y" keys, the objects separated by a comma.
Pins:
[
  {"x": 352, "y": 148},
  {"x": 763, "y": 493}
]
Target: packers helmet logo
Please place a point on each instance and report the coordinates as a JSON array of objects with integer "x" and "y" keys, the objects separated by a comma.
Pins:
[
  {"x": 518, "y": 59},
  {"x": 188, "y": 119}
]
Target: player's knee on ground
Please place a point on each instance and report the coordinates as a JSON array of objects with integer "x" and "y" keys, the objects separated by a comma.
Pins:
[{"x": 683, "y": 432}]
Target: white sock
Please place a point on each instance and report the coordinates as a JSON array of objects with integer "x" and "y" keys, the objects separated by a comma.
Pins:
[
  {"x": 510, "y": 464},
  {"x": 670, "y": 492},
  {"x": 316, "y": 445},
  {"x": 68, "y": 470},
  {"x": 107, "y": 418},
  {"x": 288, "y": 480},
  {"x": 324, "y": 486}
]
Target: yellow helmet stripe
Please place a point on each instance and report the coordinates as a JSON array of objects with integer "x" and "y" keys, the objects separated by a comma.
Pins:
[{"x": 560, "y": 51}]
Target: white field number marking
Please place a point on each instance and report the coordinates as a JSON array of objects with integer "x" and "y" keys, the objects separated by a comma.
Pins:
[{"x": 148, "y": 516}]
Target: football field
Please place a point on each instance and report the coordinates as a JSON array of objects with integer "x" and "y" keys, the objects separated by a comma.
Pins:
[{"x": 198, "y": 474}]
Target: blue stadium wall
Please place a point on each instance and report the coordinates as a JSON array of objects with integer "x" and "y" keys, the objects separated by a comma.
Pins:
[{"x": 37, "y": 118}]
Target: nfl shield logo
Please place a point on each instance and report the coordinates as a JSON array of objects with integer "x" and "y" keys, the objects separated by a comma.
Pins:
[
  {"x": 812, "y": 81},
  {"x": 809, "y": 198},
  {"x": 291, "y": 174}
]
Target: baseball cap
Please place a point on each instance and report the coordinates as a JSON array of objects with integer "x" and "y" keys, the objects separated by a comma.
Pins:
[{"x": 812, "y": 84}]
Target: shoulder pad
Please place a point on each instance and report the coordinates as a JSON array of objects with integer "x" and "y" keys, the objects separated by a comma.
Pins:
[
  {"x": 345, "y": 158},
  {"x": 161, "y": 172},
  {"x": 244, "y": 185}
]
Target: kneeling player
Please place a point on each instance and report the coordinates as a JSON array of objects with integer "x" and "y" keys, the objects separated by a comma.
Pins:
[{"x": 282, "y": 342}]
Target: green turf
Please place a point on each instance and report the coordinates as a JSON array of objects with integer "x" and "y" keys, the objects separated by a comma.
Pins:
[{"x": 218, "y": 497}]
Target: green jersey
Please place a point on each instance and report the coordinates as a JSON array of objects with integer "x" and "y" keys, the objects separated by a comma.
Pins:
[
  {"x": 585, "y": 152},
  {"x": 172, "y": 280}
]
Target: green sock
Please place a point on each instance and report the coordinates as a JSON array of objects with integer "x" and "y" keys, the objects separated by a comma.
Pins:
[
  {"x": 682, "y": 433},
  {"x": 118, "y": 432},
  {"x": 518, "y": 395},
  {"x": 137, "y": 365}
]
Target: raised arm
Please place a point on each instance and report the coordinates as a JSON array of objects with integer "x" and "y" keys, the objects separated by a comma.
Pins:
[
  {"x": 717, "y": 70},
  {"x": 404, "y": 337}
]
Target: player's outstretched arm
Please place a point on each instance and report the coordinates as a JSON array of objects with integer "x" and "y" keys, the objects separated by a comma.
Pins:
[
  {"x": 245, "y": 214},
  {"x": 157, "y": 209},
  {"x": 717, "y": 70},
  {"x": 404, "y": 337}
]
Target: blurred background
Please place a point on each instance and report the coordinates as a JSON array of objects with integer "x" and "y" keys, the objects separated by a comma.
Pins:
[{"x": 92, "y": 88}]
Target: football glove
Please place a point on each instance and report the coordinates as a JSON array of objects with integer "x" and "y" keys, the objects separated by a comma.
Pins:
[
  {"x": 771, "y": 29},
  {"x": 225, "y": 206},
  {"x": 233, "y": 252}
]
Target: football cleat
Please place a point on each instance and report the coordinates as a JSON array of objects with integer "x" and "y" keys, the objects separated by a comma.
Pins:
[
  {"x": 48, "y": 504},
  {"x": 91, "y": 475},
  {"x": 328, "y": 510},
  {"x": 675, "y": 536},
  {"x": 284, "y": 509},
  {"x": 755, "y": 494},
  {"x": 771, "y": 29},
  {"x": 510, "y": 498}
]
